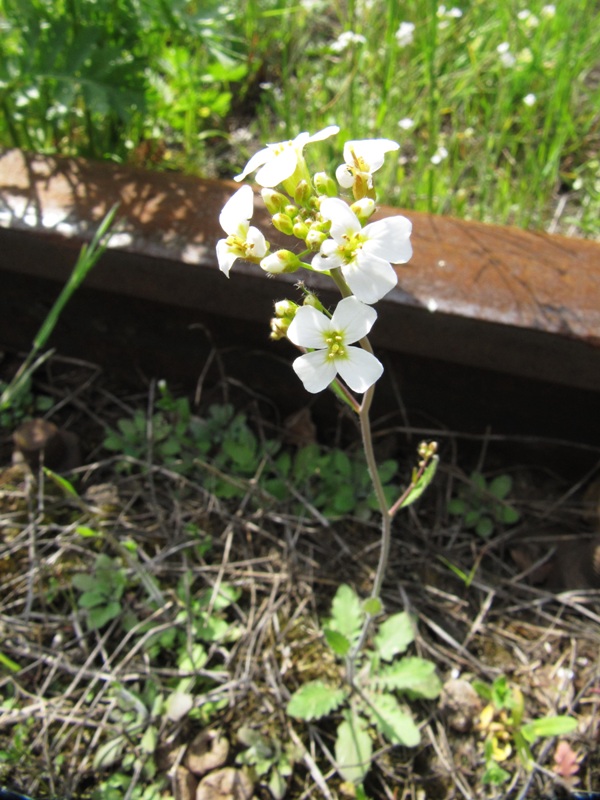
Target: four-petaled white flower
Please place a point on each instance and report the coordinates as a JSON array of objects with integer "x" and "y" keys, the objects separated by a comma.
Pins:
[
  {"x": 243, "y": 240},
  {"x": 330, "y": 340},
  {"x": 278, "y": 162},
  {"x": 364, "y": 255},
  {"x": 362, "y": 158}
]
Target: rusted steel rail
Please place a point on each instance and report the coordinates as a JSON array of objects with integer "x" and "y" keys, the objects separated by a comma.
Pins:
[{"x": 499, "y": 298}]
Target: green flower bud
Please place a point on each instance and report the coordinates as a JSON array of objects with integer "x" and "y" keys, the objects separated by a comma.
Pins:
[
  {"x": 302, "y": 193},
  {"x": 363, "y": 208},
  {"x": 325, "y": 185},
  {"x": 285, "y": 309},
  {"x": 312, "y": 300},
  {"x": 283, "y": 224},
  {"x": 300, "y": 230},
  {"x": 281, "y": 261},
  {"x": 315, "y": 238},
  {"x": 274, "y": 201},
  {"x": 291, "y": 210}
]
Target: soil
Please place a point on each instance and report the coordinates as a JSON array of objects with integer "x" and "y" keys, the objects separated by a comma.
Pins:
[{"x": 523, "y": 602}]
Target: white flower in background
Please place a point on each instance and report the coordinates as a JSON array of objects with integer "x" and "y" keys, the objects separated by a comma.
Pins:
[
  {"x": 548, "y": 12},
  {"x": 364, "y": 255},
  {"x": 446, "y": 14},
  {"x": 346, "y": 39},
  {"x": 440, "y": 154},
  {"x": 529, "y": 100},
  {"x": 406, "y": 123},
  {"x": 330, "y": 340},
  {"x": 405, "y": 34},
  {"x": 362, "y": 158},
  {"x": 243, "y": 240},
  {"x": 506, "y": 57},
  {"x": 278, "y": 162},
  {"x": 530, "y": 20}
]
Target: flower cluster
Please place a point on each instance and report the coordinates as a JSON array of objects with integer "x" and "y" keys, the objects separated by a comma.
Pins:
[{"x": 337, "y": 239}]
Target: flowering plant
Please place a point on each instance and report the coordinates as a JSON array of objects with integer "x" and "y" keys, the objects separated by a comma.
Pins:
[{"x": 334, "y": 237}]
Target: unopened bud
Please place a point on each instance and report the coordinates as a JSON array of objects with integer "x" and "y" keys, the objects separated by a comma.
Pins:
[
  {"x": 274, "y": 201},
  {"x": 283, "y": 224},
  {"x": 300, "y": 230},
  {"x": 302, "y": 193},
  {"x": 312, "y": 300},
  {"x": 285, "y": 308},
  {"x": 363, "y": 208},
  {"x": 324, "y": 184},
  {"x": 315, "y": 238},
  {"x": 281, "y": 261}
]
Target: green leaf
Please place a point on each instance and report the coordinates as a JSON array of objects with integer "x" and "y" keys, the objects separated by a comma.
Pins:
[
  {"x": 548, "y": 726},
  {"x": 109, "y": 753},
  {"x": 412, "y": 675},
  {"x": 393, "y": 722},
  {"x": 347, "y": 614},
  {"x": 422, "y": 483},
  {"x": 495, "y": 775},
  {"x": 315, "y": 700},
  {"x": 337, "y": 641},
  {"x": 500, "y": 487},
  {"x": 99, "y": 616},
  {"x": 353, "y": 750},
  {"x": 394, "y": 635},
  {"x": 456, "y": 506},
  {"x": 484, "y": 528},
  {"x": 508, "y": 515}
]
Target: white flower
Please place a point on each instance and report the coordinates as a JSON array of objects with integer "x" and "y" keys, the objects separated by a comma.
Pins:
[
  {"x": 362, "y": 158},
  {"x": 346, "y": 39},
  {"x": 278, "y": 162},
  {"x": 329, "y": 340},
  {"x": 440, "y": 154},
  {"x": 548, "y": 12},
  {"x": 405, "y": 34},
  {"x": 506, "y": 57},
  {"x": 406, "y": 123},
  {"x": 529, "y": 100},
  {"x": 364, "y": 255},
  {"x": 243, "y": 240}
]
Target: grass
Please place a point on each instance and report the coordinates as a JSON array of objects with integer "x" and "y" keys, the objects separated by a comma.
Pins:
[{"x": 504, "y": 100}]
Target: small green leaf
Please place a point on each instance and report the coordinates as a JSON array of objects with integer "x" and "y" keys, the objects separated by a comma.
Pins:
[
  {"x": 99, "y": 616},
  {"x": 500, "y": 487},
  {"x": 353, "y": 750},
  {"x": 63, "y": 483},
  {"x": 372, "y": 606},
  {"x": 347, "y": 614},
  {"x": 394, "y": 635},
  {"x": 315, "y": 700},
  {"x": 495, "y": 775},
  {"x": 412, "y": 675},
  {"x": 484, "y": 528},
  {"x": 422, "y": 483},
  {"x": 337, "y": 641},
  {"x": 548, "y": 726},
  {"x": 392, "y": 721},
  {"x": 109, "y": 753}
]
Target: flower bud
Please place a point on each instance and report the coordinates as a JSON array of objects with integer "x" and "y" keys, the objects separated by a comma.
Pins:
[
  {"x": 285, "y": 311},
  {"x": 300, "y": 230},
  {"x": 291, "y": 210},
  {"x": 285, "y": 308},
  {"x": 283, "y": 223},
  {"x": 302, "y": 193},
  {"x": 274, "y": 201},
  {"x": 281, "y": 261},
  {"x": 315, "y": 238},
  {"x": 324, "y": 184},
  {"x": 312, "y": 300},
  {"x": 363, "y": 208}
]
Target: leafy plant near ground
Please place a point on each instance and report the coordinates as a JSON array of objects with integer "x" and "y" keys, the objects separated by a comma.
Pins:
[
  {"x": 482, "y": 504},
  {"x": 222, "y": 449},
  {"x": 501, "y": 723},
  {"x": 369, "y": 680}
]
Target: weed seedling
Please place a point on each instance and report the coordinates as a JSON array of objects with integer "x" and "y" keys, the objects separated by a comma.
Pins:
[{"x": 483, "y": 505}]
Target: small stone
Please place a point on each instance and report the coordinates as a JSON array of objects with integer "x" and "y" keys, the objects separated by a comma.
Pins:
[
  {"x": 225, "y": 784},
  {"x": 185, "y": 785},
  {"x": 461, "y": 705},
  {"x": 208, "y": 751}
]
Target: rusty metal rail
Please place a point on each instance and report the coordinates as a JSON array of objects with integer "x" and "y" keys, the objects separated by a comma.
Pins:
[{"x": 499, "y": 298}]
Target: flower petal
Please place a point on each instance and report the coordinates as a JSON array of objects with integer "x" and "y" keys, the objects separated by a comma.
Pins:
[
  {"x": 257, "y": 160},
  {"x": 370, "y": 278},
  {"x": 371, "y": 151},
  {"x": 278, "y": 168},
  {"x": 330, "y": 130},
  {"x": 308, "y": 327},
  {"x": 315, "y": 370},
  {"x": 344, "y": 221},
  {"x": 255, "y": 238},
  {"x": 237, "y": 210},
  {"x": 389, "y": 239},
  {"x": 225, "y": 257},
  {"x": 360, "y": 370},
  {"x": 328, "y": 258},
  {"x": 354, "y": 318}
]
